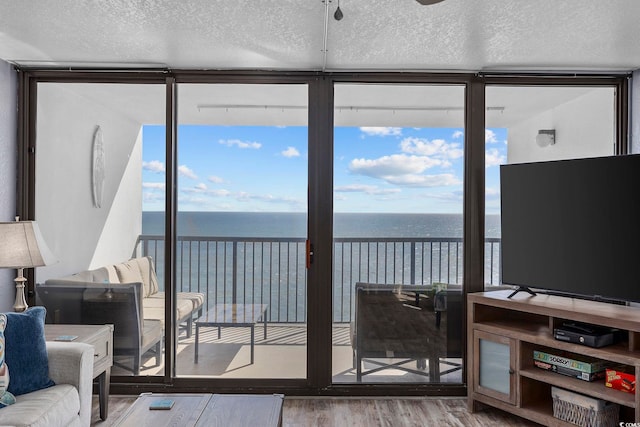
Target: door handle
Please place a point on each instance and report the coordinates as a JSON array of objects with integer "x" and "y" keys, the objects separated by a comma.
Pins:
[{"x": 309, "y": 254}]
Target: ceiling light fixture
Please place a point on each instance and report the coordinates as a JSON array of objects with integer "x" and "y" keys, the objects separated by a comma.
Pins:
[
  {"x": 338, "y": 15},
  {"x": 428, "y": 2}
]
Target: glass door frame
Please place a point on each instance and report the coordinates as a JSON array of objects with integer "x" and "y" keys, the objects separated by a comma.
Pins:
[
  {"x": 320, "y": 200},
  {"x": 236, "y": 385},
  {"x": 473, "y": 208}
]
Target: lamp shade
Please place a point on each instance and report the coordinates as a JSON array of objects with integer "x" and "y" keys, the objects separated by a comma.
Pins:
[{"x": 22, "y": 246}]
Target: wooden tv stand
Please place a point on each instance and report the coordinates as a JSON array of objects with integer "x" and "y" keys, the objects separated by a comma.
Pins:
[{"x": 513, "y": 328}]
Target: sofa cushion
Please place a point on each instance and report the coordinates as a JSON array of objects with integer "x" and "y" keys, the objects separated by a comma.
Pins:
[
  {"x": 6, "y": 398},
  {"x": 129, "y": 272},
  {"x": 197, "y": 298},
  {"x": 148, "y": 273},
  {"x": 54, "y": 406},
  {"x": 26, "y": 351},
  {"x": 99, "y": 275},
  {"x": 154, "y": 307}
]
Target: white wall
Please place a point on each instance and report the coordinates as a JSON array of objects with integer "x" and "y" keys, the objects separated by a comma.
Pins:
[
  {"x": 8, "y": 161},
  {"x": 126, "y": 217},
  {"x": 79, "y": 234},
  {"x": 585, "y": 127}
]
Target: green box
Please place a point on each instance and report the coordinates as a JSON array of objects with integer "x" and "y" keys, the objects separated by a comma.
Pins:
[{"x": 586, "y": 364}]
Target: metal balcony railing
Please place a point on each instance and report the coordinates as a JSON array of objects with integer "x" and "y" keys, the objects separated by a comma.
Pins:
[{"x": 272, "y": 270}]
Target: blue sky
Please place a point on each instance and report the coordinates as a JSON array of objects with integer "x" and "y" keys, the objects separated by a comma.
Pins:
[{"x": 264, "y": 168}]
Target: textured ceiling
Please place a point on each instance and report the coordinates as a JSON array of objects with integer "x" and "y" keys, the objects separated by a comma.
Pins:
[{"x": 465, "y": 35}]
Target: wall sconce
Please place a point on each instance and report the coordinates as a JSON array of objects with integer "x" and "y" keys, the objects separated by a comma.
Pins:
[{"x": 544, "y": 138}]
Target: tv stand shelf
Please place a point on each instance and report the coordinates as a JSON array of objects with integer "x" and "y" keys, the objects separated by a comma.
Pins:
[{"x": 503, "y": 333}]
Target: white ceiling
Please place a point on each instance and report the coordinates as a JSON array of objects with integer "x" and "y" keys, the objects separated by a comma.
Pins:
[{"x": 455, "y": 35}]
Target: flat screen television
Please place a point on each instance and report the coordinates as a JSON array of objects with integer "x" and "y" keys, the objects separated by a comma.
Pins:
[{"x": 573, "y": 227}]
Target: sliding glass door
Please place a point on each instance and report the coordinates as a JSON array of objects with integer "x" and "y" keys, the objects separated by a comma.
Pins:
[
  {"x": 242, "y": 225},
  {"x": 92, "y": 183},
  {"x": 397, "y": 266},
  {"x": 327, "y": 227}
]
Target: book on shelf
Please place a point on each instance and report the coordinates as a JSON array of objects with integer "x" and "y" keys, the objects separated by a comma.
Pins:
[{"x": 585, "y": 368}]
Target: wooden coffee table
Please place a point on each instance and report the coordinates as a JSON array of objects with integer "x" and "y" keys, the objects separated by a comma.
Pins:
[
  {"x": 199, "y": 410},
  {"x": 232, "y": 316}
]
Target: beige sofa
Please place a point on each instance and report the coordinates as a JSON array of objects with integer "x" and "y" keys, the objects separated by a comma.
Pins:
[
  {"x": 126, "y": 295},
  {"x": 68, "y": 402}
]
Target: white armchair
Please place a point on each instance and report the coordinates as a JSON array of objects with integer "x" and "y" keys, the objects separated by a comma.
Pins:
[{"x": 68, "y": 403}]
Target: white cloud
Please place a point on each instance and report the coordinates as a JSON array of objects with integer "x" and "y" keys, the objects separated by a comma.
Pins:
[
  {"x": 291, "y": 152},
  {"x": 412, "y": 180},
  {"x": 154, "y": 166},
  {"x": 396, "y": 164},
  {"x": 193, "y": 200},
  {"x": 453, "y": 196},
  {"x": 381, "y": 131},
  {"x": 493, "y": 157},
  {"x": 361, "y": 188},
  {"x": 215, "y": 179},
  {"x": 404, "y": 170},
  {"x": 240, "y": 144},
  {"x": 154, "y": 185},
  {"x": 185, "y": 171},
  {"x": 457, "y": 134},
  {"x": 436, "y": 147},
  {"x": 152, "y": 197},
  {"x": 202, "y": 189},
  {"x": 269, "y": 198},
  {"x": 199, "y": 188},
  {"x": 219, "y": 193},
  {"x": 491, "y": 193},
  {"x": 490, "y": 137}
]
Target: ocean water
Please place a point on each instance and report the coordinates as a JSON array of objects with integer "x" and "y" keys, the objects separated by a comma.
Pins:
[
  {"x": 235, "y": 268},
  {"x": 279, "y": 224}
]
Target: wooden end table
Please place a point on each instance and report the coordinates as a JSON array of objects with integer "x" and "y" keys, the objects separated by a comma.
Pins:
[
  {"x": 232, "y": 316},
  {"x": 101, "y": 338}
]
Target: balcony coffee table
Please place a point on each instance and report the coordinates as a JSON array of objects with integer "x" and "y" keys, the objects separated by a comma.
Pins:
[{"x": 232, "y": 316}]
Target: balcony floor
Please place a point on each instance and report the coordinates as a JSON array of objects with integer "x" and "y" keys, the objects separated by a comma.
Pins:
[{"x": 281, "y": 355}]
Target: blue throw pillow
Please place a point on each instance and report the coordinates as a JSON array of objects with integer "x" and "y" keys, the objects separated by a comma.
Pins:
[{"x": 26, "y": 351}]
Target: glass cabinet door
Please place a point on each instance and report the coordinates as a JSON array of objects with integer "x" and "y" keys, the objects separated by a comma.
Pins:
[{"x": 494, "y": 367}]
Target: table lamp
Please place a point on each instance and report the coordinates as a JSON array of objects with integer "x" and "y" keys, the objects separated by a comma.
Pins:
[{"x": 22, "y": 246}]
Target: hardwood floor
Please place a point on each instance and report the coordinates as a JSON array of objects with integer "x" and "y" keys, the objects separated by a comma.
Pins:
[{"x": 369, "y": 412}]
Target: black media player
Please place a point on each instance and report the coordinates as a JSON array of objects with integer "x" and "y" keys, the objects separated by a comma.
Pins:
[{"x": 585, "y": 334}]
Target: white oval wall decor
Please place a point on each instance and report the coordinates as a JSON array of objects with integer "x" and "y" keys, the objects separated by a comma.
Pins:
[{"x": 98, "y": 167}]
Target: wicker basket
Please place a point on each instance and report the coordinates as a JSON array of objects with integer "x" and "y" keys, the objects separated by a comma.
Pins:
[{"x": 586, "y": 416}]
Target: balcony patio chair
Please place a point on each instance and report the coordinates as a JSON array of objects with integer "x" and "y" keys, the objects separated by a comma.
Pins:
[{"x": 392, "y": 323}]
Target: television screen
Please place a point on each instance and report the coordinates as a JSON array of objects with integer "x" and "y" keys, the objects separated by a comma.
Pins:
[{"x": 573, "y": 226}]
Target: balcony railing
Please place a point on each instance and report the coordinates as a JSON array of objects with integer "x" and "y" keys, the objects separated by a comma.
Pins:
[{"x": 272, "y": 270}]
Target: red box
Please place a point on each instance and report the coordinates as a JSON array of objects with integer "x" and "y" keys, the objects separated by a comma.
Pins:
[{"x": 620, "y": 380}]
